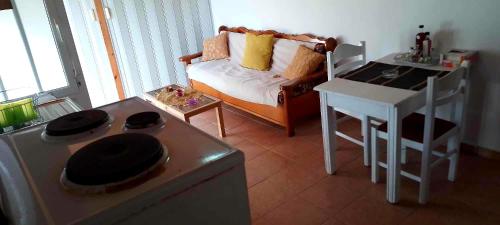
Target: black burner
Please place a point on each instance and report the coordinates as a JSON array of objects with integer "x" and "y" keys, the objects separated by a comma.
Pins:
[
  {"x": 77, "y": 122},
  {"x": 142, "y": 120},
  {"x": 113, "y": 159}
]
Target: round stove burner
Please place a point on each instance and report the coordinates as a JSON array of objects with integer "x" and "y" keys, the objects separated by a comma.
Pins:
[
  {"x": 143, "y": 120},
  {"x": 77, "y": 122},
  {"x": 113, "y": 160}
]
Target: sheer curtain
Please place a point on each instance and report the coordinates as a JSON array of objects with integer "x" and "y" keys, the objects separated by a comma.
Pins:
[{"x": 150, "y": 35}]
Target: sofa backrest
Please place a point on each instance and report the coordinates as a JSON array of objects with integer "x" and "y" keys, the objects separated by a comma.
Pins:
[
  {"x": 284, "y": 51},
  {"x": 236, "y": 42},
  {"x": 284, "y": 48}
]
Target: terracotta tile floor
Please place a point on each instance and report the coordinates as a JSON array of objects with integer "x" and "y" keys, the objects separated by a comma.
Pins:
[{"x": 287, "y": 183}]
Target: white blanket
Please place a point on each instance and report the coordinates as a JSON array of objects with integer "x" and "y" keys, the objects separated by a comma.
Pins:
[{"x": 236, "y": 81}]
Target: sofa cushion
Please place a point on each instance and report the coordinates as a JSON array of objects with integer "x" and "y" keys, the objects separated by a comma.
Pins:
[
  {"x": 236, "y": 47},
  {"x": 215, "y": 48},
  {"x": 260, "y": 87},
  {"x": 258, "y": 51},
  {"x": 304, "y": 62},
  {"x": 283, "y": 51}
]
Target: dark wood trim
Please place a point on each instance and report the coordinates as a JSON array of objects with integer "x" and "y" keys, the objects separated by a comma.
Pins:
[
  {"x": 186, "y": 60},
  {"x": 109, "y": 48},
  {"x": 287, "y": 115},
  {"x": 323, "y": 44},
  {"x": 488, "y": 153},
  {"x": 482, "y": 152},
  {"x": 272, "y": 114},
  {"x": 5, "y": 4}
]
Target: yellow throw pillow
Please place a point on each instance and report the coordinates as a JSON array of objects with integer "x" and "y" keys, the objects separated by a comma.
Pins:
[
  {"x": 215, "y": 48},
  {"x": 258, "y": 51},
  {"x": 304, "y": 62}
]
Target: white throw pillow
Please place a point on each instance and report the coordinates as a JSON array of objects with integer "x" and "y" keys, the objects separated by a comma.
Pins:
[
  {"x": 283, "y": 52},
  {"x": 236, "y": 47}
]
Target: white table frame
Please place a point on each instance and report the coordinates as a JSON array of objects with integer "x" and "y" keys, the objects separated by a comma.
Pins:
[{"x": 373, "y": 101}]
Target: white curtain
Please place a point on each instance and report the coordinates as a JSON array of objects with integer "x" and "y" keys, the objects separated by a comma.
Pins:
[{"x": 150, "y": 35}]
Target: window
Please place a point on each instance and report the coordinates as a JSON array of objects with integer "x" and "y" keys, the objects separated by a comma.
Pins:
[
  {"x": 16, "y": 75},
  {"x": 30, "y": 54}
]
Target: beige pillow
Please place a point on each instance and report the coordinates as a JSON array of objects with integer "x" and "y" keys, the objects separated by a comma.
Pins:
[
  {"x": 215, "y": 48},
  {"x": 304, "y": 62}
]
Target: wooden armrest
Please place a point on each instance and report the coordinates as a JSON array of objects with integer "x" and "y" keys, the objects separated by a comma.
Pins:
[
  {"x": 319, "y": 76},
  {"x": 187, "y": 58}
]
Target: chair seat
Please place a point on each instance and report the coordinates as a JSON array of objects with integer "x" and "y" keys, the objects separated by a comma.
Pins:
[{"x": 413, "y": 127}]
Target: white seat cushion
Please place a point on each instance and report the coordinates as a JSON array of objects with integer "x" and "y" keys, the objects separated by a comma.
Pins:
[{"x": 236, "y": 81}]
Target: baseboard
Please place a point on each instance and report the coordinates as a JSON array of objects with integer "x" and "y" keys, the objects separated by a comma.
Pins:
[{"x": 480, "y": 151}]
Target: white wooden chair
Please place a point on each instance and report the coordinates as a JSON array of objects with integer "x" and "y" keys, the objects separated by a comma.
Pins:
[
  {"x": 426, "y": 132},
  {"x": 345, "y": 58}
]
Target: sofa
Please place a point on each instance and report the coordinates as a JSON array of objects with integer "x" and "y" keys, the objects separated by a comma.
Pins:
[{"x": 264, "y": 94}]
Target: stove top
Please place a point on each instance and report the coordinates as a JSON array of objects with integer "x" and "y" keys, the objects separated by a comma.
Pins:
[
  {"x": 77, "y": 122},
  {"x": 143, "y": 120},
  {"x": 194, "y": 156},
  {"x": 75, "y": 126},
  {"x": 113, "y": 161}
]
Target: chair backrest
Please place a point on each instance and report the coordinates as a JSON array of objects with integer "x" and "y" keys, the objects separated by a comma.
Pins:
[
  {"x": 441, "y": 91},
  {"x": 344, "y": 52}
]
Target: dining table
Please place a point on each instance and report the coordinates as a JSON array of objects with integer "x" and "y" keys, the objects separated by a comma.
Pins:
[{"x": 366, "y": 91}]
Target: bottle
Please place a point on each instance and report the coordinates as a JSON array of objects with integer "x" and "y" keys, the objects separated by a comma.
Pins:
[
  {"x": 419, "y": 41},
  {"x": 412, "y": 55},
  {"x": 428, "y": 46},
  {"x": 425, "y": 47}
]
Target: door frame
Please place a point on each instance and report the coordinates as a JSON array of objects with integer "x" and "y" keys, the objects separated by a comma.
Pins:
[{"x": 106, "y": 35}]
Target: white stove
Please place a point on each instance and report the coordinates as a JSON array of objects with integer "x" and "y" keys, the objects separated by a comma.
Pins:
[{"x": 194, "y": 179}]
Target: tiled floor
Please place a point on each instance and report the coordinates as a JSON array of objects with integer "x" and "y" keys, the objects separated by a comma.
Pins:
[{"x": 287, "y": 183}]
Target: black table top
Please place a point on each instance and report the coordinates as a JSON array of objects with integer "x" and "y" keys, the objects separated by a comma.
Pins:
[{"x": 409, "y": 78}]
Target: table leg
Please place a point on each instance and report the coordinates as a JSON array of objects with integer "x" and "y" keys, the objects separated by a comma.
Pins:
[
  {"x": 186, "y": 119},
  {"x": 393, "y": 155},
  {"x": 366, "y": 132},
  {"x": 329, "y": 126},
  {"x": 220, "y": 121}
]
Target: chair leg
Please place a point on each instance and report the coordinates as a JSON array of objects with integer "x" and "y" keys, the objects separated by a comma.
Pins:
[
  {"x": 404, "y": 157},
  {"x": 365, "y": 126},
  {"x": 425, "y": 175},
  {"x": 453, "y": 144},
  {"x": 374, "y": 149}
]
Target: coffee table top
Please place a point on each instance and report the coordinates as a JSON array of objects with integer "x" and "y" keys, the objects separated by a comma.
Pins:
[{"x": 204, "y": 102}]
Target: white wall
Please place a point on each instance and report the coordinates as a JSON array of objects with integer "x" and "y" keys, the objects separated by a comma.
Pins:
[{"x": 389, "y": 26}]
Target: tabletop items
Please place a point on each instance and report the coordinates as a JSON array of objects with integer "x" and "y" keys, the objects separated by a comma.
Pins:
[
  {"x": 185, "y": 103},
  {"x": 422, "y": 52},
  {"x": 32, "y": 110},
  {"x": 17, "y": 113},
  {"x": 178, "y": 96},
  {"x": 458, "y": 57}
]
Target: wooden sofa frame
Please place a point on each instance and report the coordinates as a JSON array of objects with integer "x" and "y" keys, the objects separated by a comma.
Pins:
[{"x": 298, "y": 98}]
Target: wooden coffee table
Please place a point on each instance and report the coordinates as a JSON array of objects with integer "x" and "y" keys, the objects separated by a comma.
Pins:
[{"x": 184, "y": 112}]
